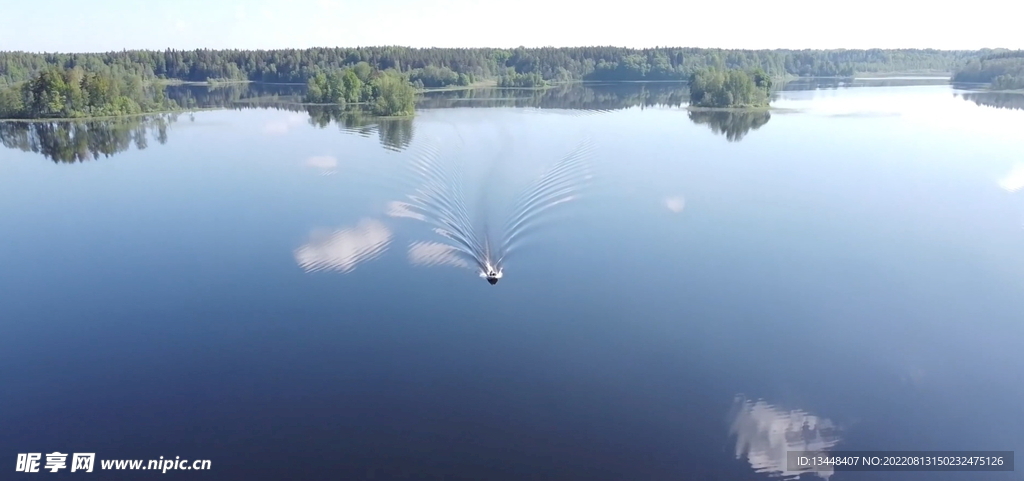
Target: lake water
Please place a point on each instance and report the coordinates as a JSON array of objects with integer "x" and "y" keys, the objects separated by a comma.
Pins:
[{"x": 844, "y": 273}]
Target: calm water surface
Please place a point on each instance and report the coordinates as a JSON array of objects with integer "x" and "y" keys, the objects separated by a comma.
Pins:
[{"x": 844, "y": 273}]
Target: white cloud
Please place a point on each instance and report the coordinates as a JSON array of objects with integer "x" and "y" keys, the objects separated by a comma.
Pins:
[
  {"x": 675, "y": 204},
  {"x": 343, "y": 249}
]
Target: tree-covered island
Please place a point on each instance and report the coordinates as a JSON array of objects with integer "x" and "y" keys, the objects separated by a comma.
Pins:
[{"x": 387, "y": 93}]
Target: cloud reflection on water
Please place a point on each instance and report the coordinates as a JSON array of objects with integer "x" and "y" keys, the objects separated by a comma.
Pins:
[
  {"x": 325, "y": 163},
  {"x": 283, "y": 125},
  {"x": 1014, "y": 180},
  {"x": 764, "y": 433},
  {"x": 435, "y": 254},
  {"x": 343, "y": 249}
]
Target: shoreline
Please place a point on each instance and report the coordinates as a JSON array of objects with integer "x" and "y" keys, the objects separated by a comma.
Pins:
[
  {"x": 110, "y": 117},
  {"x": 490, "y": 84}
]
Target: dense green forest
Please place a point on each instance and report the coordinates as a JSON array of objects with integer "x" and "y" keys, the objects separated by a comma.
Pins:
[
  {"x": 521, "y": 80},
  {"x": 1004, "y": 70},
  {"x": 438, "y": 77},
  {"x": 387, "y": 92},
  {"x": 74, "y": 92},
  {"x": 712, "y": 87},
  {"x": 440, "y": 67}
]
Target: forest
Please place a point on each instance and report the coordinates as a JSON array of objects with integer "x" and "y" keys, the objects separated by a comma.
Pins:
[
  {"x": 384, "y": 79},
  {"x": 71, "y": 93},
  {"x": 730, "y": 88},
  {"x": 521, "y": 80},
  {"x": 441, "y": 67},
  {"x": 386, "y": 92},
  {"x": 438, "y": 77},
  {"x": 1004, "y": 70}
]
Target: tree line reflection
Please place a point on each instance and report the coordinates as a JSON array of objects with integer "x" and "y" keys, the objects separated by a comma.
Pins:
[
  {"x": 78, "y": 141},
  {"x": 394, "y": 133},
  {"x": 999, "y": 100},
  {"x": 70, "y": 141},
  {"x": 575, "y": 96},
  {"x": 734, "y": 125},
  {"x": 834, "y": 83}
]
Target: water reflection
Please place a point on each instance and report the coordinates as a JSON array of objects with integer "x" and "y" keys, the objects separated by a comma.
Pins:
[
  {"x": 999, "y": 100},
  {"x": 326, "y": 164},
  {"x": 285, "y": 125},
  {"x": 1014, "y": 180},
  {"x": 234, "y": 95},
  {"x": 394, "y": 133},
  {"x": 603, "y": 97},
  {"x": 833, "y": 83},
  {"x": 765, "y": 433},
  {"x": 574, "y": 96},
  {"x": 734, "y": 125},
  {"x": 78, "y": 141},
  {"x": 343, "y": 249},
  {"x": 429, "y": 254}
]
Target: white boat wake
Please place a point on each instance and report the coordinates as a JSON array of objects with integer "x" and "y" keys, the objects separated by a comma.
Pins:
[{"x": 440, "y": 201}]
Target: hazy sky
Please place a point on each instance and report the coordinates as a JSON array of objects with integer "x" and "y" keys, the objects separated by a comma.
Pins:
[{"x": 101, "y": 25}]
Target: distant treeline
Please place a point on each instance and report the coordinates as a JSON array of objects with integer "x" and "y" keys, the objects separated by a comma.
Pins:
[
  {"x": 1004, "y": 70},
  {"x": 440, "y": 67}
]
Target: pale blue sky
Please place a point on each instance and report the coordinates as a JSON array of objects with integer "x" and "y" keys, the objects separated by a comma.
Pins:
[{"x": 101, "y": 25}]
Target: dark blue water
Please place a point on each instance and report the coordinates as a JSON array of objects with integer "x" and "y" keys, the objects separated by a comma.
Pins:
[{"x": 854, "y": 262}]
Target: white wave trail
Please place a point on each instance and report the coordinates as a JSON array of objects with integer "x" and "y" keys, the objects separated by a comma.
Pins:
[{"x": 439, "y": 200}]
